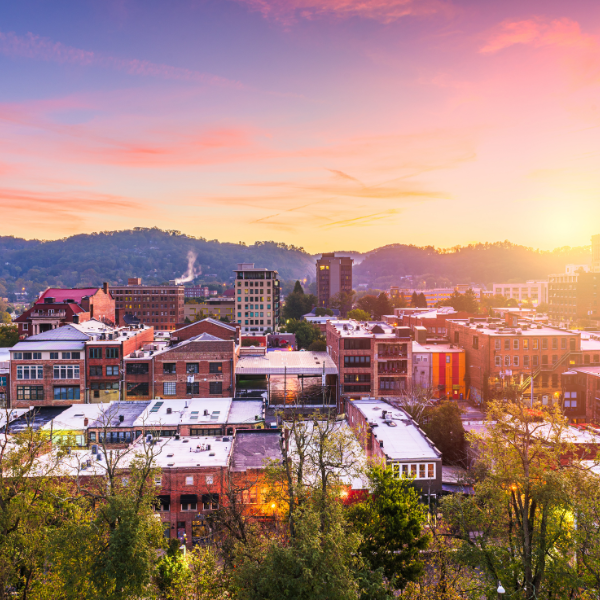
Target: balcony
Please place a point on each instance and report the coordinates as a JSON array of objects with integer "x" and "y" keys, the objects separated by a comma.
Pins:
[{"x": 43, "y": 314}]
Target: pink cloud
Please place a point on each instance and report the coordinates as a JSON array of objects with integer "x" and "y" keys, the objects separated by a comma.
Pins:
[
  {"x": 537, "y": 33},
  {"x": 385, "y": 11},
  {"x": 40, "y": 48}
]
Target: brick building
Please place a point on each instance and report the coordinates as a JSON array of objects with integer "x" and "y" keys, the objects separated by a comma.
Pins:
[
  {"x": 51, "y": 368},
  {"x": 201, "y": 366},
  {"x": 56, "y": 307},
  {"x": 373, "y": 359},
  {"x": 434, "y": 320},
  {"x": 573, "y": 295},
  {"x": 104, "y": 364},
  {"x": 158, "y": 306},
  {"x": 257, "y": 299},
  {"x": 224, "y": 331},
  {"x": 503, "y": 357},
  {"x": 535, "y": 292},
  {"x": 334, "y": 275},
  {"x": 388, "y": 434},
  {"x": 218, "y": 308}
]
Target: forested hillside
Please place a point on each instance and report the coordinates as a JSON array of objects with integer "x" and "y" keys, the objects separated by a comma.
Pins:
[
  {"x": 476, "y": 263},
  {"x": 158, "y": 256}
]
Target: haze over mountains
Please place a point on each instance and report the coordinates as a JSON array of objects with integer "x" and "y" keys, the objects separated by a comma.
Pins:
[{"x": 159, "y": 256}]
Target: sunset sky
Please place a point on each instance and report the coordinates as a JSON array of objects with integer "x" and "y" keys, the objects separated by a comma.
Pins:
[{"x": 328, "y": 124}]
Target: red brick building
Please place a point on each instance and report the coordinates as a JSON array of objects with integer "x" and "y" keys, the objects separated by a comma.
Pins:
[
  {"x": 373, "y": 359},
  {"x": 159, "y": 306},
  {"x": 201, "y": 366},
  {"x": 224, "y": 331},
  {"x": 57, "y": 307},
  {"x": 502, "y": 358}
]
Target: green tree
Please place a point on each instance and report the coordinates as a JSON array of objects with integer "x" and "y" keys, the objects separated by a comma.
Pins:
[
  {"x": 358, "y": 314},
  {"x": 421, "y": 301},
  {"x": 319, "y": 345},
  {"x": 342, "y": 301},
  {"x": 368, "y": 303},
  {"x": 414, "y": 300},
  {"x": 445, "y": 429},
  {"x": 383, "y": 306},
  {"x": 306, "y": 333},
  {"x": 5, "y": 317},
  {"x": 521, "y": 510},
  {"x": 9, "y": 336},
  {"x": 322, "y": 312},
  {"x": 391, "y": 524},
  {"x": 466, "y": 302},
  {"x": 298, "y": 303}
]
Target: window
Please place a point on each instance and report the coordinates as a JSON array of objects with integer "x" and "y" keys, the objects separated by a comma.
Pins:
[
  {"x": 215, "y": 387},
  {"x": 210, "y": 501},
  {"x": 498, "y": 361},
  {"x": 169, "y": 368},
  {"x": 66, "y": 371},
  {"x": 189, "y": 480},
  {"x": 507, "y": 361},
  {"x": 507, "y": 344},
  {"x": 192, "y": 368},
  {"x": 563, "y": 343},
  {"x": 189, "y": 503},
  {"x": 26, "y": 355},
  {"x": 545, "y": 359},
  {"x": 554, "y": 359},
  {"x": 475, "y": 342},
  {"x": 94, "y": 353},
  {"x": 170, "y": 388},
  {"x": 573, "y": 344},
  {"x": 112, "y": 371},
  {"x": 498, "y": 345},
  {"x": 515, "y": 361},
  {"x": 25, "y": 326},
  {"x": 75, "y": 355},
  {"x": 96, "y": 371},
  {"x": 357, "y": 377},
  {"x": 112, "y": 353},
  {"x": 70, "y": 392},
  {"x": 193, "y": 388},
  {"x": 526, "y": 360},
  {"x": 534, "y": 361},
  {"x": 18, "y": 356},
  {"x": 515, "y": 344},
  {"x": 37, "y": 356},
  {"x": 137, "y": 389},
  {"x": 30, "y": 372},
  {"x": 215, "y": 367},
  {"x": 357, "y": 344},
  {"x": 554, "y": 380},
  {"x": 525, "y": 344},
  {"x": 53, "y": 355},
  {"x": 544, "y": 343},
  {"x": 92, "y": 436},
  {"x": 30, "y": 392},
  {"x": 535, "y": 343},
  {"x": 137, "y": 368},
  {"x": 205, "y": 432},
  {"x": 357, "y": 361}
]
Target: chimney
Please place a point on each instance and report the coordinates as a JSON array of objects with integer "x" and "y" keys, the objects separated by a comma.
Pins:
[
  {"x": 85, "y": 422},
  {"x": 134, "y": 281},
  {"x": 121, "y": 418},
  {"x": 76, "y": 319},
  {"x": 105, "y": 287}
]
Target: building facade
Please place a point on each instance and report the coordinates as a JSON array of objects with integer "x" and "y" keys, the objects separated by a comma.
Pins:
[
  {"x": 158, "y": 306},
  {"x": 535, "y": 292},
  {"x": 373, "y": 359},
  {"x": 218, "y": 308},
  {"x": 440, "y": 368},
  {"x": 573, "y": 295},
  {"x": 334, "y": 275},
  {"x": 257, "y": 299}
]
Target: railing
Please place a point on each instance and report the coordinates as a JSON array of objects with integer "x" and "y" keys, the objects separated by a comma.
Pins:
[
  {"x": 541, "y": 368},
  {"x": 59, "y": 314}
]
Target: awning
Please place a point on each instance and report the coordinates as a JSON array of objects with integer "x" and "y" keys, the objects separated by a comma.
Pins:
[
  {"x": 164, "y": 501},
  {"x": 189, "y": 499}
]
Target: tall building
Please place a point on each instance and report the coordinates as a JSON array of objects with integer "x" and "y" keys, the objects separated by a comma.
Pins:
[
  {"x": 334, "y": 275},
  {"x": 257, "y": 298},
  {"x": 573, "y": 295},
  {"x": 160, "y": 306},
  {"x": 534, "y": 291},
  {"x": 596, "y": 253}
]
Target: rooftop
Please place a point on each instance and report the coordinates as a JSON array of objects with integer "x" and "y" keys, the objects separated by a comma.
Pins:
[
  {"x": 192, "y": 452},
  {"x": 290, "y": 363},
  {"x": 60, "y": 295},
  {"x": 35, "y": 418},
  {"x": 369, "y": 329},
  {"x": 402, "y": 439},
  {"x": 500, "y": 329},
  {"x": 431, "y": 348},
  {"x": 246, "y": 411},
  {"x": 113, "y": 411},
  {"x": 197, "y": 411},
  {"x": 72, "y": 418},
  {"x": 253, "y": 448}
]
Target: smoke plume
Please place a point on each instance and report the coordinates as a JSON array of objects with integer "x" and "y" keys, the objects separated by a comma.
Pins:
[{"x": 191, "y": 272}]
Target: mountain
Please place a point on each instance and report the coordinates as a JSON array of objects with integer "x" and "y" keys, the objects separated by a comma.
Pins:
[{"x": 158, "y": 256}]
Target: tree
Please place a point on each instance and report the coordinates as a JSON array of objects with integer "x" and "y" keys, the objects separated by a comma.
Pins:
[
  {"x": 391, "y": 524},
  {"x": 306, "y": 333},
  {"x": 517, "y": 528},
  {"x": 414, "y": 300},
  {"x": 542, "y": 307},
  {"x": 322, "y": 312},
  {"x": 297, "y": 304},
  {"x": 9, "y": 336},
  {"x": 342, "y": 301},
  {"x": 466, "y": 302},
  {"x": 383, "y": 306},
  {"x": 416, "y": 400},
  {"x": 368, "y": 303},
  {"x": 5, "y": 318},
  {"x": 445, "y": 429},
  {"x": 358, "y": 314},
  {"x": 421, "y": 301},
  {"x": 319, "y": 345}
]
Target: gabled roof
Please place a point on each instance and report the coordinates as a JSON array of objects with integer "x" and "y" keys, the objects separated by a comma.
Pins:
[
  {"x": 66, "y": 333},
  {"x": 209, "y": 320},
  {"x": 76, "y": 294},
  {"x": 206, "y": 337}
]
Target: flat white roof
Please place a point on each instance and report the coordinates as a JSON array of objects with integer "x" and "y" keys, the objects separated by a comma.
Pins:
[
  {"x": 188, "y": 412},
  {"x": 246, "y": 411},
  {"x": 72, "y": 418},
  {"x": 352, "y": 328},
  {"x": 12, "y": 413},
  {"x": 431, "y": 348},
  {"x": 193, "y": 452},
  {"x": 403, "y": 441},
  {"x": 290, "y": 363}
]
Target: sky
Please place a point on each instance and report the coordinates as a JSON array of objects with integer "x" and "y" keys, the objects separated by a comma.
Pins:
[{"x": 326, "y": 124}]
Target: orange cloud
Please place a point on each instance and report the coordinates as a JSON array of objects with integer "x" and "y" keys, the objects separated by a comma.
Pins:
[
  {"x": 537, "y": 33},
  {"x": 385, "y": 11},
  {"x": 36, "y": 47}
]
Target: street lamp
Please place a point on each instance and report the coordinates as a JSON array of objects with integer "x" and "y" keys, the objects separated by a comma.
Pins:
[{"x": 501, "y": 591}]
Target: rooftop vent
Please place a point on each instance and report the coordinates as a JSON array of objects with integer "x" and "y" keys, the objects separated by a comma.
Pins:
[{"x": 121, "y": 418}]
